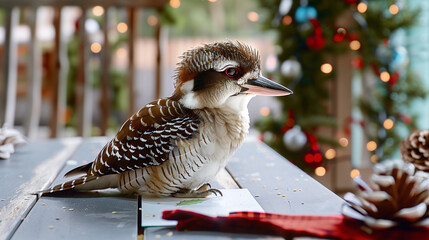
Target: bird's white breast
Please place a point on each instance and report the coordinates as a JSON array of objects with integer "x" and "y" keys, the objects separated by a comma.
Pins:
[{"x": 226, "y": 129}]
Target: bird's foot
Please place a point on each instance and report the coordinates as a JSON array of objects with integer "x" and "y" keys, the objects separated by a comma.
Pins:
[{"x": 204, "y": 191}]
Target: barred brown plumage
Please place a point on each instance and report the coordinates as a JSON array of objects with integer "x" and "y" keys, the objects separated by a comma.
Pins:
[{"x": 176, "y": 145}]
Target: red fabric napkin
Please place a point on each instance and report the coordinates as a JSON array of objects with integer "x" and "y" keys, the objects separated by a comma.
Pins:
[{"x": 289, "y": 226}]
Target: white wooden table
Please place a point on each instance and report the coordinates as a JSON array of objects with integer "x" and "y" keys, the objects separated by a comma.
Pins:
[{"x": 276, "y": 184}]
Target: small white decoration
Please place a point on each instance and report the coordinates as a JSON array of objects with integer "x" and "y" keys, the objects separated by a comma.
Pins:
[
  {"x": 9, "y": 139},
  {"x": 285, "y": 6},
  {"x": 291, "y": 68},
  {"x": 294, "y": 139}
]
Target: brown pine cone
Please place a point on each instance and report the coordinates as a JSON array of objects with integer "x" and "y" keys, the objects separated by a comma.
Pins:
[
  {"x": 415, "y": 149},
  {"x": 398, "y": 196}
]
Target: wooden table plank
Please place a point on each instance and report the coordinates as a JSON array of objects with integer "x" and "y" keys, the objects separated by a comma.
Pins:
[
  {"x": 95, "y": 215},
  {"x": 107, "y": 214},
  {"x": 278, "y": 185},
  {"x": 31, "y": 168}
]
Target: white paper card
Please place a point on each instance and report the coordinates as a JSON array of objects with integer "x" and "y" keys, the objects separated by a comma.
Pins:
[{"x": 233, "y": 200}]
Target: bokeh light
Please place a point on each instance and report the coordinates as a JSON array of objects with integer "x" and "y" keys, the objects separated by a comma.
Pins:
[
  {"x": 98, "y": 11},
  {"x": 320, "y": 171},
  {"x": 362, "y": 7},
  {"x": 253, "y": 16},
  {"x": 287, "y": 20},
  {"x": 374, "y": 158},
  {"x": 264, "y": 111},
  {"x": 385, "y": 76},
  {"x": 354, "y": 173},
  {"x": 371, "y": 146},
  {"x": 326, "y": 68},
  {"x": 330, "y": 154},
  {"x": 343, "y": 142},
  {"x": 121, "y": 52},
  {"x": 95, "y": 47},
  {"x": 388, "y": 124},
  {"x": 354, "y": 45},
  {"x": 152, "y": 20},
  {"x": 175, "y": 3},
  {"x": 394, "y": 9},
  {"x": 122, "y": 27}
]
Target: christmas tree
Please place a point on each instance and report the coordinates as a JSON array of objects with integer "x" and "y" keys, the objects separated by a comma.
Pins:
[
  {"x": 381, "y": 59},
  {"x": 307, "y": 35}
]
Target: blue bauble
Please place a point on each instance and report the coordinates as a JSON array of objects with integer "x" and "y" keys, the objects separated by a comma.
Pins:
[
  {"x": 311, "y": 13},
  {"x": 400, "y": 59},
  {"x": 304, "y": 13}
]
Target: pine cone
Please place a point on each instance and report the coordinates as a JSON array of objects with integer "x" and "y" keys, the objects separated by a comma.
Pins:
[
  {"x": 415, "y": 149},
  {"x": 398, "y": 196}
]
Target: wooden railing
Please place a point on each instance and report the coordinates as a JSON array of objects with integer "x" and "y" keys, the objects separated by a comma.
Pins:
[{"x": 8, "y": 87}]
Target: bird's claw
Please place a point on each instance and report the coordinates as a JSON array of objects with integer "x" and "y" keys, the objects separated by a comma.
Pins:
[{"x": 204, "y": 191}]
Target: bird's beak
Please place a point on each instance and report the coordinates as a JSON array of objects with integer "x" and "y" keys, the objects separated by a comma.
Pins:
[{"x": 264, "y": 86}]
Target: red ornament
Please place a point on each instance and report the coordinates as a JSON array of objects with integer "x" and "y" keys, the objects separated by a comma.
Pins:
[
  {"x": 357, "y": 62},
  {"x": 339, "y": 35},
  {"x": 405, "y": 118},
  {"x": 393, "y": 79},
  {"x": 386, "y": 42},
  {"x": 352, "y": 36},
  {"x": 285, "y": 128},
  {"x": 375, "y": 69},
  {"x": 313, "y": 158},
  {"x": 315, "y": 42},
  {"x": 318, "y": 157},
  {"x": 351, "y": 2}
]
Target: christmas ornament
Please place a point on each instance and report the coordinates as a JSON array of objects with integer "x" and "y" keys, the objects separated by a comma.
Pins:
[
  {"x": 305, "y": 13},
  {"x": 399, "y": 196},
  {"x": 351, "y": 2},
  {"x": 339, "y": 35},
  {"x": 357, "y": 62},
  {"x": 316, "y": 41},
  {"x": 294, "y": 139},
  {"x": 384, "y": 54},
  {"x": 285, "y": 6},
  {"x": 271, "y": 63},
  {"x": 394, "y": 77},
  {"x": 291, "y": 68},
  {"x": 415, "y": 149},
  {"x": 399, "y": 60}
]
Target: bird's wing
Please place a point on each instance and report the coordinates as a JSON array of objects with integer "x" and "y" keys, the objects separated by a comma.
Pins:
[{"x": 147, "y": 138}]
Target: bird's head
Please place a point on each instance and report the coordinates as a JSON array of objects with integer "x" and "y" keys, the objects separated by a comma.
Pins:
[{"x": 222, "y": 74}]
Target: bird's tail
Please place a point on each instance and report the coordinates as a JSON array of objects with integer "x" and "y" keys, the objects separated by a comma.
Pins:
[
  {"x": 70, "y": 184},
  {"x": 85, "y": 183}
]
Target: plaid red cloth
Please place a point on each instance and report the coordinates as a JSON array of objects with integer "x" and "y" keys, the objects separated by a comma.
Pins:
[{"x": 289, "y": 226}]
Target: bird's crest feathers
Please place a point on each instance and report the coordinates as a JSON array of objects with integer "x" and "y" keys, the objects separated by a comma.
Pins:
[{"x": 207, "y": 56}]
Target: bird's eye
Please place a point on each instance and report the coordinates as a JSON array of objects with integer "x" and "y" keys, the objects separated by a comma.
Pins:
[{"x": 232, "y": 72}]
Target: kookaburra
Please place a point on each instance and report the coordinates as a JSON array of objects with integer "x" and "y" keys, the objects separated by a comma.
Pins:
[{"x": 174, "y": 146}]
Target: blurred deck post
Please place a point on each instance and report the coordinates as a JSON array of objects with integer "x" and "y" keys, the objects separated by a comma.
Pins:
[
  {"x": 34, "y": 85},
  {"x": 105, "y": 76},
  {"x": 158, "y": 72},
  {"x": 59, "y": 80},
  {"x": 83, "y": 86},
  {"x": 131, "y": 67},
  {"x": 9, "y": 75}
]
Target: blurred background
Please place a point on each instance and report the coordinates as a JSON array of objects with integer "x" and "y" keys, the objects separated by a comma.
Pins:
[{"x": 358, "y": 69}]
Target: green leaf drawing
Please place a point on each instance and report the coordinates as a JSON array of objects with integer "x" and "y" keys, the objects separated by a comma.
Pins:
[{"x": 190, "y": 202}]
